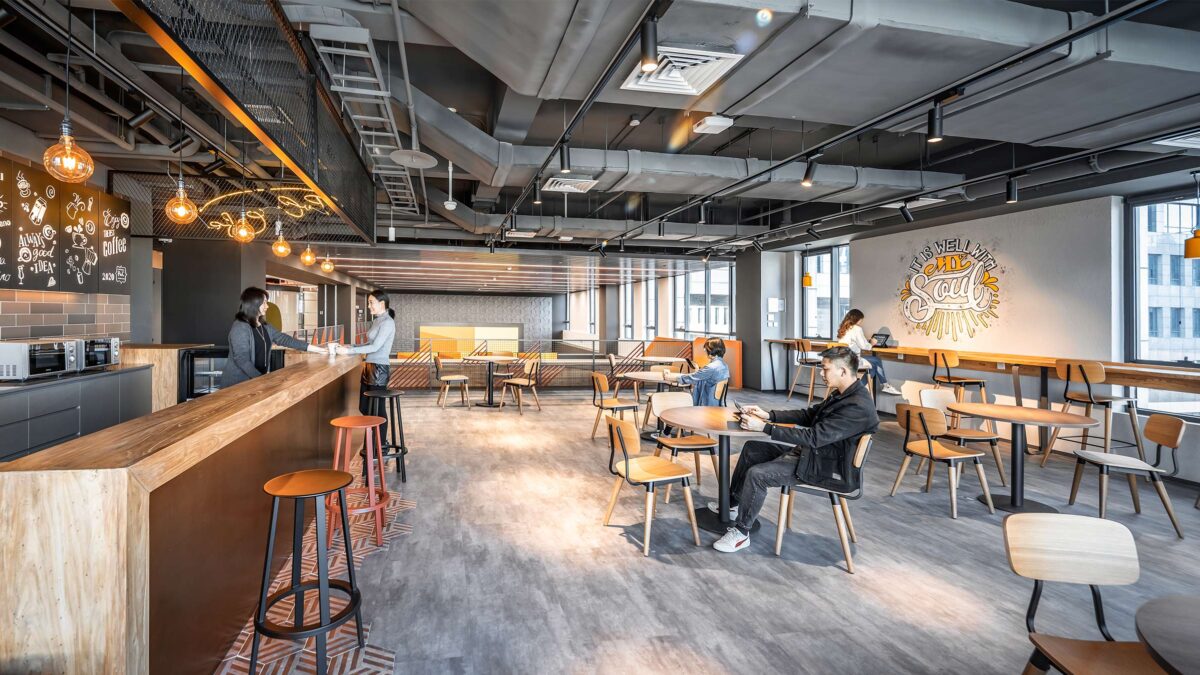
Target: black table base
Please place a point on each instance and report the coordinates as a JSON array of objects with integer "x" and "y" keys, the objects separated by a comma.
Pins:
[
  {"x": 711, "y": 522},
  {"x": 1004, "y": 503}
]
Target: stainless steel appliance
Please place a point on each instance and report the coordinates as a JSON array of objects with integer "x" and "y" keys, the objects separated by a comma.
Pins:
[
  {"x": 99, "y": 352},
  {"x": 22, "y": 360}
]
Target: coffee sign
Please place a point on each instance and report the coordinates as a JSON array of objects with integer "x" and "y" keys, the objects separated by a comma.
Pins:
[{"x": 950, "y": 290}]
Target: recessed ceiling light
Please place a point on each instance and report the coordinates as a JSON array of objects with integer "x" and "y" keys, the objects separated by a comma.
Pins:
[
  {"x": 452, "y": 109},
  {"x": 566, "y": 238}
]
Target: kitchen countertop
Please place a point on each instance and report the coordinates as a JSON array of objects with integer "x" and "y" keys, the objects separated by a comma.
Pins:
[{"x": 43, "y": 382}]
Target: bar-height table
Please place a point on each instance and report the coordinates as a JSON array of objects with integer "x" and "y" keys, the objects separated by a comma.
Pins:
[
  {"x": 722, "y": 423},
  {"x": 491, "y": 362},
  {"x": 1017, "y": 417}
]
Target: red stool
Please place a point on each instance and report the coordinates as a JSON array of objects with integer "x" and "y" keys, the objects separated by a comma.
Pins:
[{"x": 343, "y": 453}]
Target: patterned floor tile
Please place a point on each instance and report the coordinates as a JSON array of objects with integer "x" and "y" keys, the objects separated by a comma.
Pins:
[
  {"x": 271, "y": 649},
  {"x": 343, "y": 638}
]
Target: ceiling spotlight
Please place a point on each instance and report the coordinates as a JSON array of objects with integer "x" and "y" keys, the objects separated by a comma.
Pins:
[
  {"x": 1010, "y": 191},
  {"x": 564, "y": 158},
  {"x": 757, "y": 245},
  {"x": 566, "y": 237},
  {"x": 635, "y": 120},
  {"x": 812, "y": 232},
  {"x": 810, "y": 170},
  {"x": 650, "y": 45},
  {"x": 621, "y": 243},
  {"x": 537, "y": 194},
  {"x": 933, "y": 126},
  {"x": 603, "y": 243},
  {"x": 212, "y": 167},
  {"x": 452, "y": 109},
  {"x": 907, "y": 213}
]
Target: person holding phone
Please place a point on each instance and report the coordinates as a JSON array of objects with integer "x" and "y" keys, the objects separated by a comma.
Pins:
[
  {"x": 251, "y": 338},
  {"x": 851, "y": 332},
  {"x": 817, "y": 451}
]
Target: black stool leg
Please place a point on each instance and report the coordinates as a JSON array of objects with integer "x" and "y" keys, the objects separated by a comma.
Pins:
[
  {"x": 297, "y": 558},
  {"x": 350, "y": 566},
  {"x": 323, "y": 582},
  {"x": 261, "y": 615},
  {"x": 398, "y": 420}
]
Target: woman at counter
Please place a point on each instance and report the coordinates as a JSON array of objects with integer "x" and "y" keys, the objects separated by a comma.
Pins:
[
  {"x": 251, "y": 338},
  {"x": 377, "y": 368},
  {"x": 850, "y": 332}
]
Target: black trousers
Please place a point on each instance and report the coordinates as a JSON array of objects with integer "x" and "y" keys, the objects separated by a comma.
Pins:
[
  {"x": 761, "y": 466},
  {"x": 374, "y": 378}
]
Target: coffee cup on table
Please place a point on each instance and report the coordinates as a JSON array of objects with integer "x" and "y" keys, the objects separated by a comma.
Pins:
[{"x": 332, "y": 346}]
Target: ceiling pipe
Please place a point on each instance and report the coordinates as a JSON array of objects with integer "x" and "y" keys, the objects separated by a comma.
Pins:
[{"x": 8, "y": 79}]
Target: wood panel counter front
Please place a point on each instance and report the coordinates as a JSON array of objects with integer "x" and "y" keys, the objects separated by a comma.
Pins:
[{"x": 139, "y": 548}]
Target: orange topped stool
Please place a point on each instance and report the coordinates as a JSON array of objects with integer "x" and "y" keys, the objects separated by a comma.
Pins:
[{"x": 343, "y": 452}]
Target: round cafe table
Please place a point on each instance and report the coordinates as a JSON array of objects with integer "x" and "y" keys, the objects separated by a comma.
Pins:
[
  {"x": 1169, "y": 627},
  {"x": 722, "y": 423},
  {"x": 661, "y": 383},
  {"x": 662, "y": 360},
  {"x": 1017, "y": 417},
  {"x": 491, "y": 362}
]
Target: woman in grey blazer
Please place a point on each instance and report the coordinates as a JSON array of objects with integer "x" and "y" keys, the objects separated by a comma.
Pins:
[{"x": 250, "y": 340}]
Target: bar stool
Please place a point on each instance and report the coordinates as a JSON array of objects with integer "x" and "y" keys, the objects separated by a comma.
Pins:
[
  {"x": 317, "y": 485},
  {"x": 1092, "y": 373},
  {"x": 377, "y": 496},
  {"x": 385, "y": 403},
  {"x": 947, "y": 359},
  {"x": 804, "y": 359}
]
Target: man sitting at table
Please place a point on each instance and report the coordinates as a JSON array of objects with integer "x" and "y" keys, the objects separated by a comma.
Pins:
[{"x": 818, "y": 451}]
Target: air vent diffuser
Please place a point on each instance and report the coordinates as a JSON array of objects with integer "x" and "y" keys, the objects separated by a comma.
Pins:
[
  {"x": 686, "y": 72},
  {"x": 1190, "y": 141},
  {"x": 574, "y": 185}
]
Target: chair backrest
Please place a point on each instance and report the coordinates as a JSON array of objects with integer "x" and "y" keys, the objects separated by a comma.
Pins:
[
  {"x": 530, "y": 367},
  {"x": 804, "y": 345},
  {"x": 863, "y": 449},
  {"x": 911, "y": 417},
  {"x": 663, "y": 401},
  {"x": 437, "y": 364},
  {"x": 623, "y": 438},
  {"x": 1165, "y": 430},
  {"x": 1074, "y": 370},
  {"x": 1071, "y": 549},
  {"x": 947, "y": 358},
  {"x": 721, "y": 390},
  {"x": 937, "y": 398},
  {"x": 612, "y": 363},
  {"x": 599, "y": 387}
]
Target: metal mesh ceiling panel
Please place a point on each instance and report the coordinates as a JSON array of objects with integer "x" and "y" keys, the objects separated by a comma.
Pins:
[
  {"x": 299, "y": 211},
  {"x": 248, "y": 51}
]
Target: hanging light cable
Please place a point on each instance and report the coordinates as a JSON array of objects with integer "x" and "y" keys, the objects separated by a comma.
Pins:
[
  {"x": 65, "y": 160},
  {"x": 180, "y": 209}
]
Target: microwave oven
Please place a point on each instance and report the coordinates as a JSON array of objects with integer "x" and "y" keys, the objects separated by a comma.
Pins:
[
  {"x": 98, "y": 352},
  {"x": 22, "y": 360}
]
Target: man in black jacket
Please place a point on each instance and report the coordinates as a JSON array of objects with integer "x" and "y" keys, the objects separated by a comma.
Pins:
[{"x": 818, "y": 451}]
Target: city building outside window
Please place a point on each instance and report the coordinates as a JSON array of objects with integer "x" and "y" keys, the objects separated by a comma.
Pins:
[
  {"x": 1153, "y": 265},
  {"x": 1176, "y": 322},
  {"x": 1176, "y": 270}
]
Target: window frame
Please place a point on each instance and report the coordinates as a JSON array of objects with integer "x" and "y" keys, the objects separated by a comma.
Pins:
[{"x": 835, "y": 290}]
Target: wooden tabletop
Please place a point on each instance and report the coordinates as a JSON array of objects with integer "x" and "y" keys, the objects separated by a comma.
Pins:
[
  {"x": 650, "y": 376},
  {"x": 660, "y": 359},
  {"x": 1038, "y": 417},
  {"x": 163, "y": 444},
  {"x": 1169, "y": 627},
  {"x": 708, "y": 419}
]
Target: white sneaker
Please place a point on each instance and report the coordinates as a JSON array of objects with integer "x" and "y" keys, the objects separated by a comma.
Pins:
[
  {"x": 733, "y": 541},
  {"x": 889, "y": 389},
  {"x": 715, "y": 507}
]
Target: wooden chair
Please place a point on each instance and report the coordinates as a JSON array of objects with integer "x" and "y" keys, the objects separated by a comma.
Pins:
[
  {"x": 678, "y": 442},
  {"x": 462, "y": 381},
  {"x": 1163, "y": 430},
  {"x": 605, "y": 399},
  {"x": 648, "y": 471},
  {"x": 529, "y": 378},
  {"x": 931, "y": 423},
  {"x": 1091, "y": 373},
  {"x": 947, "y": 359},
  {"x": 618, "y": 379},
  {"x": 939, "y": 399},
  {"x": 841, "y": 510},
  {"x": 721, "y": 391},
  {"x": 1075, "y": 550},
  {"x": 805, "y": 358}
]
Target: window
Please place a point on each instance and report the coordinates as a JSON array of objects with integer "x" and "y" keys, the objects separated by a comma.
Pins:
[
  {"x": 1196, "y": 272},
  {"x": 719, "y": 300},
  {"x": 827, "y": 300},
  {"x": 593, "y": 309},
  {"x": 651, "y": 308},
  {"x": 1176, "y": 270},
  {"x": 626, "y": 311},
  {"x": 1153, "y": 265},
  {"x": 1196, "y": 323},
  {"x": 704, "y": 302},
  {"x": 1176, "y": 322},
  {"x": 1155, "y": 322}
]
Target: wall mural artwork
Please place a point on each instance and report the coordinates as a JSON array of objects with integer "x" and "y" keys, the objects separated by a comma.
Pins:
[{"x": 950, "y": 289}]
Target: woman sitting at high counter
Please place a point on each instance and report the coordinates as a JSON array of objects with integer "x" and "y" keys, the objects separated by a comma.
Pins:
[
  {"x": 850, "y": 331},
  {"x": 250, "y": 340},
  {"x": 704, "y": 381}
]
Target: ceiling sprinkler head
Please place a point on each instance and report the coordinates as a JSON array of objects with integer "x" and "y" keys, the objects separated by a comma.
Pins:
[{"x": 450, "y": 204}]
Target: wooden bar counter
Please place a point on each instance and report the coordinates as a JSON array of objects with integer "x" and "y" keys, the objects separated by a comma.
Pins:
[{"x": 139, "y": 548}]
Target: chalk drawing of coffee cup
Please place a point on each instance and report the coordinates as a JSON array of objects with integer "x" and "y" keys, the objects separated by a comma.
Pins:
[
  {"x": 23, "y": 186},
  {"x": 25, "y": 255},
  {"x": 38, "y": 212}
]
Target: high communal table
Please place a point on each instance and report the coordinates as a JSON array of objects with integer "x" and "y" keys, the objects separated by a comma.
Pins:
[
  {"x": 491, "y": 362},
  {"x": 722, "y": 423},
  {"x": 1017, "y": 417},
  {"x": 1169, "y": 627}
]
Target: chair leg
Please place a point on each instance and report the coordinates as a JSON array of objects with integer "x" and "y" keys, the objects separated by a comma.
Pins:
[
  {"x": 953, "y": 489},
  {"x": 1066, "y": 407},
  {"x": 999, "y": 463},
  {"x": 849, "y": 521},
  {"x": 1132, "y": 411},
  {"x": 503, "y": 391},
  {"x": 691, "y": 513},
  {"x": 466, "y": 395},
  {"x": 1083, "y": 440},
  {"x": 536, "y": 399},
  {"x": 520, "y": 403},
  {"x": 920, "y": 466},
  {"x": 1133, "y": 492},
  {"x": 696, "y": 456},
  {"x": 1108, "y": 429},
  {"x": 441, "y": 399},
  {"x": 1161, "y": 489},
  {"x": 646, "y": 418},
  {"x": 596, "y": 424},
  {"x": 667, "y": 490},
  {"x": 717, "y": 471},
  {"x": 1103, "y": 492},
  {"x": 900, "y": 473},
  {"x": 1079, "y": 466},
  {"x": 841, "y": 528},
  {"x": 612, "y": 500},
  {"x": 649, "y": 521},
  {"x": 987, "y": 494},
  {"x": 781, "y": 524},
  {"x": 791, "y": 510},
  {"x": 929, "y": 477},
  {"x": 812, "y": 383},
  {"x": 1038, "y": 664},
  {"x": 988, "y": 425}
]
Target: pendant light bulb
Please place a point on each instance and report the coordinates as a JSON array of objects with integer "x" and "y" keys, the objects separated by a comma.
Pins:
[
  {"x": 66, "y": 161},
  {"x": 243, "y": 232},
  {"x": 180, "y": 209},
  {"x": 327, "y": 265},
  {"x": 649, "y": 62},
  {"x": 280, "y": 248},
  {"x": 307, "y": 257}
]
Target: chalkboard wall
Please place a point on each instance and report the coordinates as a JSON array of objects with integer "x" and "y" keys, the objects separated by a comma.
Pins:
[{"x": 60, "y": 237}]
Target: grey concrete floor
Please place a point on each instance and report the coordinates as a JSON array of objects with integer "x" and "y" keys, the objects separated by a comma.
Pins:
[{"x": 509, "y": 570}]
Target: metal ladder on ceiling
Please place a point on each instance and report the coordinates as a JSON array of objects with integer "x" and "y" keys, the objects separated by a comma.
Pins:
[{"x": 349, "y": 58}]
